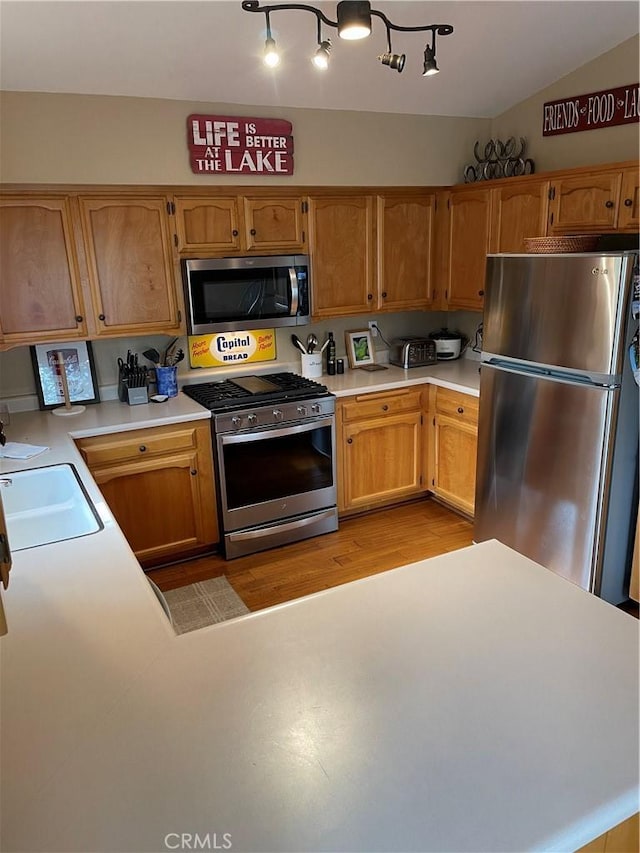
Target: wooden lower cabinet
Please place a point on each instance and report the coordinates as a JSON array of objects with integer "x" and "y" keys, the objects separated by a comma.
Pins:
[
  {"x": 158, "y": 482},
  {"x": 379, "y": 448},
  {"x": 453, "y": 447},
  {"x": 623, "y": 838}
]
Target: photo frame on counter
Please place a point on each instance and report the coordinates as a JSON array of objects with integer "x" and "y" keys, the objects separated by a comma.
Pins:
[
  {"x": 76, "y": 358},
  {"x": 360, "y": 349}
]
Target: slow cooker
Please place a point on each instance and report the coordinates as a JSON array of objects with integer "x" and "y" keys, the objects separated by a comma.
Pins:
[{"x": 449, "y": 344}]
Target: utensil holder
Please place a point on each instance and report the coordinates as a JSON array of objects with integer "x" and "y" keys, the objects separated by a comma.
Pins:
[
  {"x": 311, "y": 365},
  {"x": 167, "y": 380}
]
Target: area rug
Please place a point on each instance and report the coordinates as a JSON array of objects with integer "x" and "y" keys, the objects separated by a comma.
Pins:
[{"x": 205, "y": 603}]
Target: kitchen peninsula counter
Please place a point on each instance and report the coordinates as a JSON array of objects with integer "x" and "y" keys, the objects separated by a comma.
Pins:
[{"x": 462, "y": 375}]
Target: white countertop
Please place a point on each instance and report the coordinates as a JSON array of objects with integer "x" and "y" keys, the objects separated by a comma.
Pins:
[
  {"x": 461, "y": 375},
  {"x": 475, "y": 701}
]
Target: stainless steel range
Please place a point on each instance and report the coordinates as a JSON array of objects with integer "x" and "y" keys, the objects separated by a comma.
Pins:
[{"x": 274, "y": 451}]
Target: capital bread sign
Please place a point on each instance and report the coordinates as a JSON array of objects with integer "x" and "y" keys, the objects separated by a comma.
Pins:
[
  {"x": 225, "y": 145},
  {"x": 607, "y": 108}
]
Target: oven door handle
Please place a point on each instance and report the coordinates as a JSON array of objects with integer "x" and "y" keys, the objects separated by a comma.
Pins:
[
  {"x": 260, "y": 532},
  {"x": 269, "y": 432}
]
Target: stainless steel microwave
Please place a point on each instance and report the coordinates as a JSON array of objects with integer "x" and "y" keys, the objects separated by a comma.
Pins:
[{"x": 230, "y": 294}]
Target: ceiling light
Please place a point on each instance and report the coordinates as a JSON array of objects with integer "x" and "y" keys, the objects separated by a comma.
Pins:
[
  {"x": 393, "y": 60},
  {"x": 430, "y": 66},
  {"x": 353, "y": 22},
  {"x": 321, "y": 56}
]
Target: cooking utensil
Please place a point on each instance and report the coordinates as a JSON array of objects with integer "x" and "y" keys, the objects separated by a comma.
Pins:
[
  {"x": 295, "y": 340},
  {"x": 168, "y": 353},
  {"x": 325, "y": 345},
  {"x": 153, "y": 355},
  {"x": 312, "y": 343}
]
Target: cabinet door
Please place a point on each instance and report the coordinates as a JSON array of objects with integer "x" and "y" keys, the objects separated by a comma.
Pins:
[
  {"x": 341, "y": 238},
  {"x": 469, "y": 219},
  {"x": 519, "y": 210},
  {"x": 382, "y": 459},
  {"x": 156, "y": 503},
  {"x": 629, "y": 216},
  {"x": 405, "y": 252},
  {"x": 207, "y": 224},
  {"x": 274, "y": 224},
  {"x": 40, "y": 290},
  {"x": 130, "y": 264},
  {"x": 584, "y": 203},
  {"x": 456, "y": 444}
]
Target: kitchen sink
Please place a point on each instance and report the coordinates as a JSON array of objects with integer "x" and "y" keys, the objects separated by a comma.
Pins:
[{"x": 44, "y": 505}]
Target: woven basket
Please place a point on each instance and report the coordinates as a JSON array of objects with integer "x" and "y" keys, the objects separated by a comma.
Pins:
[{"x": 560, "y": 245}]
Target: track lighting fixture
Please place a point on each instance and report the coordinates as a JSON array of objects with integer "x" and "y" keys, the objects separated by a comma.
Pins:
[{"x": 353, "y": 22}]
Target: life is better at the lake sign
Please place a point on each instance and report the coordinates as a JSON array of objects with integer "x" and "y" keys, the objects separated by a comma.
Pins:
[
  {"x": 607, "y": 108},
  {"x": 225, "y": 145}
]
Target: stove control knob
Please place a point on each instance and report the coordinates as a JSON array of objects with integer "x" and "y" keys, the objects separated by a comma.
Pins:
[
  {"x": 277, "y": 415},
  {"x": 236, "y": 421},
  {"x": 252, "y": 419},
  {"x": 303, "y": 411},
  {"x": 316, "y": 408}
]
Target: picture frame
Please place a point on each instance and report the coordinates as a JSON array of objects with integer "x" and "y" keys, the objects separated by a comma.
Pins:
[
  {"x": 360, "y": 349},
  {"x": 80, "y": 373}
]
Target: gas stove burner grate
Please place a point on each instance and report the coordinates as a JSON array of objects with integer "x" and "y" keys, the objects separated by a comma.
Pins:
[{"x": 229, "y": 394}]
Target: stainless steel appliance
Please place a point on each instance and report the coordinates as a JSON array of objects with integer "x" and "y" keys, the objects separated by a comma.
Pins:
[
  {"x": 412, "y": 352},
  {"x": 274, "y": 450},
  {"x": 557, "y": 475},
  {"x": 230, "y": 294}
]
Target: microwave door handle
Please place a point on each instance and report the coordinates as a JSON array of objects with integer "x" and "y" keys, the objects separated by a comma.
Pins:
[{"x": 294, "y": 291}]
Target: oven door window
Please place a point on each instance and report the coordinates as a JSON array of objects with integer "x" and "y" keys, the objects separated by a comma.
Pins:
[
  {"x": 235, "y": 294},
  {"x": 274, "y": 464}
]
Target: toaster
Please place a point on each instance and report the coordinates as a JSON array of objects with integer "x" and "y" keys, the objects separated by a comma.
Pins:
[{"x": 412, "y": 352}]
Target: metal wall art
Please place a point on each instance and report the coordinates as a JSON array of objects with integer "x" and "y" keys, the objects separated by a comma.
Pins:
[{"x": 500, "y": 160}]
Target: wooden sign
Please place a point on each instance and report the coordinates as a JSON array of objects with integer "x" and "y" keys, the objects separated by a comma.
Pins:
[
  {"x": 224, "y": 145},
  {"x": 607, "y": 108},
  {"x": 231, "y": 348}
]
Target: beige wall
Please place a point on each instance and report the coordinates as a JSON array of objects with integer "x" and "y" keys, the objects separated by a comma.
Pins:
[
  {"x": 617, "y": 67},
  {"x": 47, "y": 138}
]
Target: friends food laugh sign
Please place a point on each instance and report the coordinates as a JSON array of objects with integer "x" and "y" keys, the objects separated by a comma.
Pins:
[{"x": 224, "y": 145}]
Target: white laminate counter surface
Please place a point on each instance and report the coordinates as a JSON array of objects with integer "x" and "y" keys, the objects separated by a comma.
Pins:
[{"x": 461, "y": 375}]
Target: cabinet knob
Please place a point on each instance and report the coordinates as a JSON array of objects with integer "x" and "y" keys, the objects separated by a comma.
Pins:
[
  {"x": 369, "y": 296},
  {"x": 79, "y": 318},
  {"x": 384, "y": 295},
  {"x": 385, "y": 408},
  {"x": 234, "y": 232},
  {"x": 481, "y": 293},
  {"x": 193, "y": 472},
  {"x": 101, "y": 317},
  {"x": 349, "y": 441},
  {"x": 142, "y": 448},
  {"x": 608, "y": 203},
  {"x": 628, "y": 202},
  {"x": 253, "y": 232},
  {"x": 460, "y": 410}
]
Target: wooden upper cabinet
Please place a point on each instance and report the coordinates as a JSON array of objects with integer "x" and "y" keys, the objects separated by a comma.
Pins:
[
  {"x": 405, "y": 228},
  {"x": 518, "y": 210},
  {"x": 274, "y": 224},
  {"x": 207, "y": 224},
  {"x": 341, "y": 237},
  {"x": 130, "y": 264},
  {"x": 224, "y": 225},
  {"x": 584, "y": 203},
  {"x": 629, "y": 215},
  {"x": 469, "y": 221},
  {"x": 40, "y": 287}
]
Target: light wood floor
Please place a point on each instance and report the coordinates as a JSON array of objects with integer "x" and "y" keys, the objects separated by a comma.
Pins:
[{"x": 362, "y": 546}]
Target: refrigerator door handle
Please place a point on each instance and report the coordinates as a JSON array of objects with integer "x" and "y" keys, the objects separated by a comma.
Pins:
[{"x": 556, "y": 374}]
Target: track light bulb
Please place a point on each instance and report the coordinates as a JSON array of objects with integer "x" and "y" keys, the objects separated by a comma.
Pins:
[
  {"x": 430, "y": 66},
  {"x": 271, "y": 55},
  {"x": 354, "y": 19},
  {"x": 321, "y": 56},
  {"x": 393, "y": 60}
]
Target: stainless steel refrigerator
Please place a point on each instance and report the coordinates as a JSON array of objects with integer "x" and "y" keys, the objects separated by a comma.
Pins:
[{"x": 557, "y": 476}]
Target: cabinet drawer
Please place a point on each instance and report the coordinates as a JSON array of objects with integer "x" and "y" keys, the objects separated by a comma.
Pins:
[
  {"x": 139, "y": 443},
  {"x": 372, "y": 405},
  {"x": 457, "y": 405}
]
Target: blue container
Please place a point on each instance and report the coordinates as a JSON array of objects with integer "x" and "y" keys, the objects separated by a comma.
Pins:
[{"x": 167, "y": 380}]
